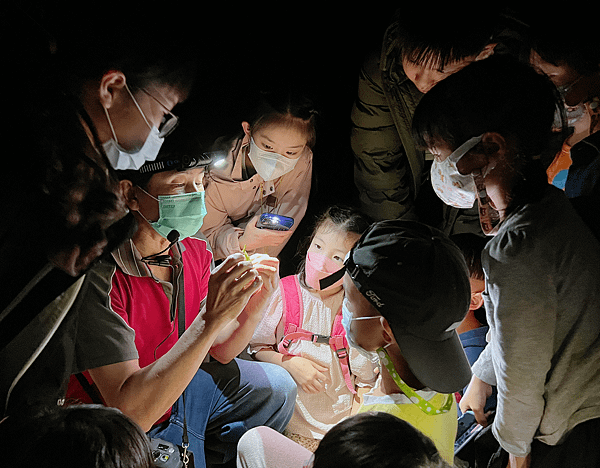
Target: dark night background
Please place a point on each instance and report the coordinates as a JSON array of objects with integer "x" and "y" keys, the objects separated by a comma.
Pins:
[
  {"x": 242, "y": 48},
  {"x": 316, "y": 52}
]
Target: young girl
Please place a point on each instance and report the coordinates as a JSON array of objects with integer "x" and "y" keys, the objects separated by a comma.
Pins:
[
  {"x": 268, "y": 169},
  {"x": 488, "y": 125},
  {"x": 326, "y": 381}
]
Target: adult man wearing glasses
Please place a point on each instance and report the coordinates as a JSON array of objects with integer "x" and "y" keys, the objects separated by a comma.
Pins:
[{"x": 90, "y": 95}]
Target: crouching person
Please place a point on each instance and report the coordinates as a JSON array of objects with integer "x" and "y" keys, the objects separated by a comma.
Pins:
[
  {"x": 152, "y": 313},
  {"x": 406, "y": 291}
]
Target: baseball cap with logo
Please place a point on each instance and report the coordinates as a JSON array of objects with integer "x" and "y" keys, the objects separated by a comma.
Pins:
[{"x": 418, "y": 280}]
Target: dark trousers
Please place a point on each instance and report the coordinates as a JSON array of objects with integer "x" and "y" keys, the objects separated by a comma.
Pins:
[{"x": 580, "y": 449}]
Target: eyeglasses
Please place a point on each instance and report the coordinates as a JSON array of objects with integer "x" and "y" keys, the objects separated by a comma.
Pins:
[{"x": 169, "y": 122}]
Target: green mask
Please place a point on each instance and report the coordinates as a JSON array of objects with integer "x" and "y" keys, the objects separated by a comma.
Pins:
[
  {"x": 183, "y": 213},
  {"x": 423, "y": 404}
]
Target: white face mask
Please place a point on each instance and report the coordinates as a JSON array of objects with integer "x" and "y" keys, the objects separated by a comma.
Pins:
[
  {"x": 452, "y": 187},
  {"x": 269, "y": 165},
  {"x": 122, "y": 159}
]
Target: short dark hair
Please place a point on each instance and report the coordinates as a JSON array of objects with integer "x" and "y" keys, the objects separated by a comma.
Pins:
[
  {"x": 578, "y": 49},
  {"x": 499, "y": 94},
  {"x": 446, "y": 34},
  {"x": 148, "y": 46},
  {"x": 181, "y": 142},
  {"x": 376, "y": 440},
  {"x": 82, "y": 436},
  {"x": 471, "y": 245}
]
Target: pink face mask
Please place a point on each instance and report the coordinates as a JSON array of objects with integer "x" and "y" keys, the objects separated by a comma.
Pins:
[{"x": 319, "y": 266}]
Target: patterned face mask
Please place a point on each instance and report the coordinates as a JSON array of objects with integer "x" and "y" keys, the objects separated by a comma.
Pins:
[{"x": 452, "y": 187}]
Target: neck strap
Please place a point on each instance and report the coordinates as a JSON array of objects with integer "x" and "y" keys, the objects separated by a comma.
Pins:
[{"x": 412, "y": 395}]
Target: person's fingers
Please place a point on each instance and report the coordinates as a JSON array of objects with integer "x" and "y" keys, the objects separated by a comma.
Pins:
[
  {"x": 228, "y": 263},
  {"x": 241, "y": 273},
  {"x": 480, "y": 416}
]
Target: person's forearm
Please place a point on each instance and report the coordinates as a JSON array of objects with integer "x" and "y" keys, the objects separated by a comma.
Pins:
[
  {"x": 233, "y": 340},
  {"x": 271, "y": 356},
  {"x": 149, "y": 392},
  {"x": 519, "y": 462}
]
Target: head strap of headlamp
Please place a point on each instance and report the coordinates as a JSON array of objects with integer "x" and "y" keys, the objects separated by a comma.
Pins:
[{"x": 177, "y": 163}]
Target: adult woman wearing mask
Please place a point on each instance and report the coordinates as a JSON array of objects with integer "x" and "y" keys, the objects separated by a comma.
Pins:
[
  {"x": 267, "y": 169},
  {"x": 134, "y": 343}
]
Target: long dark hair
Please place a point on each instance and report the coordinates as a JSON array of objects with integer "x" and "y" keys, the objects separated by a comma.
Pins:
[{"x": 285, "y": 106}]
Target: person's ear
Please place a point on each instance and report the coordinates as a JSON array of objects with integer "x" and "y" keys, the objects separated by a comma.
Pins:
[
  {"x": 476, "y": 301},
  {"x": 246, "y": 127},
  {"x": 111, "y": 83},
  {"x": 490, "y": 150},
  {"x": 388, "y": 334},
  {"x": 130, "y": 195},
  {"x": 486, "y": 52},
  {"x": 494, "y": 146}
]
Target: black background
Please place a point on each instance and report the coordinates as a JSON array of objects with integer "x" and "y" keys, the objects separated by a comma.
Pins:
[{"x": 317, "y": 52}]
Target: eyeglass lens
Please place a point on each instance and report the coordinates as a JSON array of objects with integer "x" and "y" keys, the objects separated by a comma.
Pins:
[{"x": 167, "y": 125}]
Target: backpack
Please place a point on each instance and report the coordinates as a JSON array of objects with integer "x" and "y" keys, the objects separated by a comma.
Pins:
[{"x": 293, "y": 312}]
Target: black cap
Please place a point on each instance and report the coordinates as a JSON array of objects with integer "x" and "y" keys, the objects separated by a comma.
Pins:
[{"x": 418, "y": 280}]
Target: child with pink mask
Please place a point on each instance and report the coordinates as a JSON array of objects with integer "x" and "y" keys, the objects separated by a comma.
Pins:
[{"x": 301, "y": 331}]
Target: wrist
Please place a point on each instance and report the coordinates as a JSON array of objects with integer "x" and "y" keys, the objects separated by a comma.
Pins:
[{"x": 214, "y": 322}]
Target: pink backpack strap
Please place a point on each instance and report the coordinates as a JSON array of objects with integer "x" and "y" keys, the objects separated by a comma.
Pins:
[
  {"x": 339, "y": 344},
  {"x": 293, "y": 315},
  {"x": 292, "y": 311}
]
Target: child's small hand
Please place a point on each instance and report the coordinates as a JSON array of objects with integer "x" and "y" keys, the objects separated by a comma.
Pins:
[
  {"x": 268, "y": 270},
  {"x": 310, "y": 376},
  {"x": 474, "y": 399}
]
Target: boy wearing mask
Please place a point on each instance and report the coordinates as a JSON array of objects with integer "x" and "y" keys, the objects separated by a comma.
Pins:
[{"x": 407, "y": 290}]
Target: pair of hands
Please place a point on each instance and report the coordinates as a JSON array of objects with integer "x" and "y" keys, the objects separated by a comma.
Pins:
[
  {"x": 474, "y": 399},
  {"x": 254, "y": 238},
  {"x": 236, "y": 282},
  {"x": 309, "y": 375}
]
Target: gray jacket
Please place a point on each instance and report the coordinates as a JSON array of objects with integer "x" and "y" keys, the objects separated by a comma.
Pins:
[{"x": 543, "y": 306}]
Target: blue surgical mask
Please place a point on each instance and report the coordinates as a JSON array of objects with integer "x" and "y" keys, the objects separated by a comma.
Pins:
[
  {"x": 347, "y": 319},
  {"x": 183, "y": 213},
  {"x": 120, "y": 158}
]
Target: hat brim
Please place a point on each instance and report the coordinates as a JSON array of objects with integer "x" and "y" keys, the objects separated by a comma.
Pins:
[{"x": 439, "y": 365}]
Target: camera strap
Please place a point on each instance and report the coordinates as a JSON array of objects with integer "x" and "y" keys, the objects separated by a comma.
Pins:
[{"x": 180, "y": 298}]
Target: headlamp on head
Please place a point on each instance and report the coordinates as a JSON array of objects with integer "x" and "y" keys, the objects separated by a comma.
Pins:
[{"x": 178, "y": 163}]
